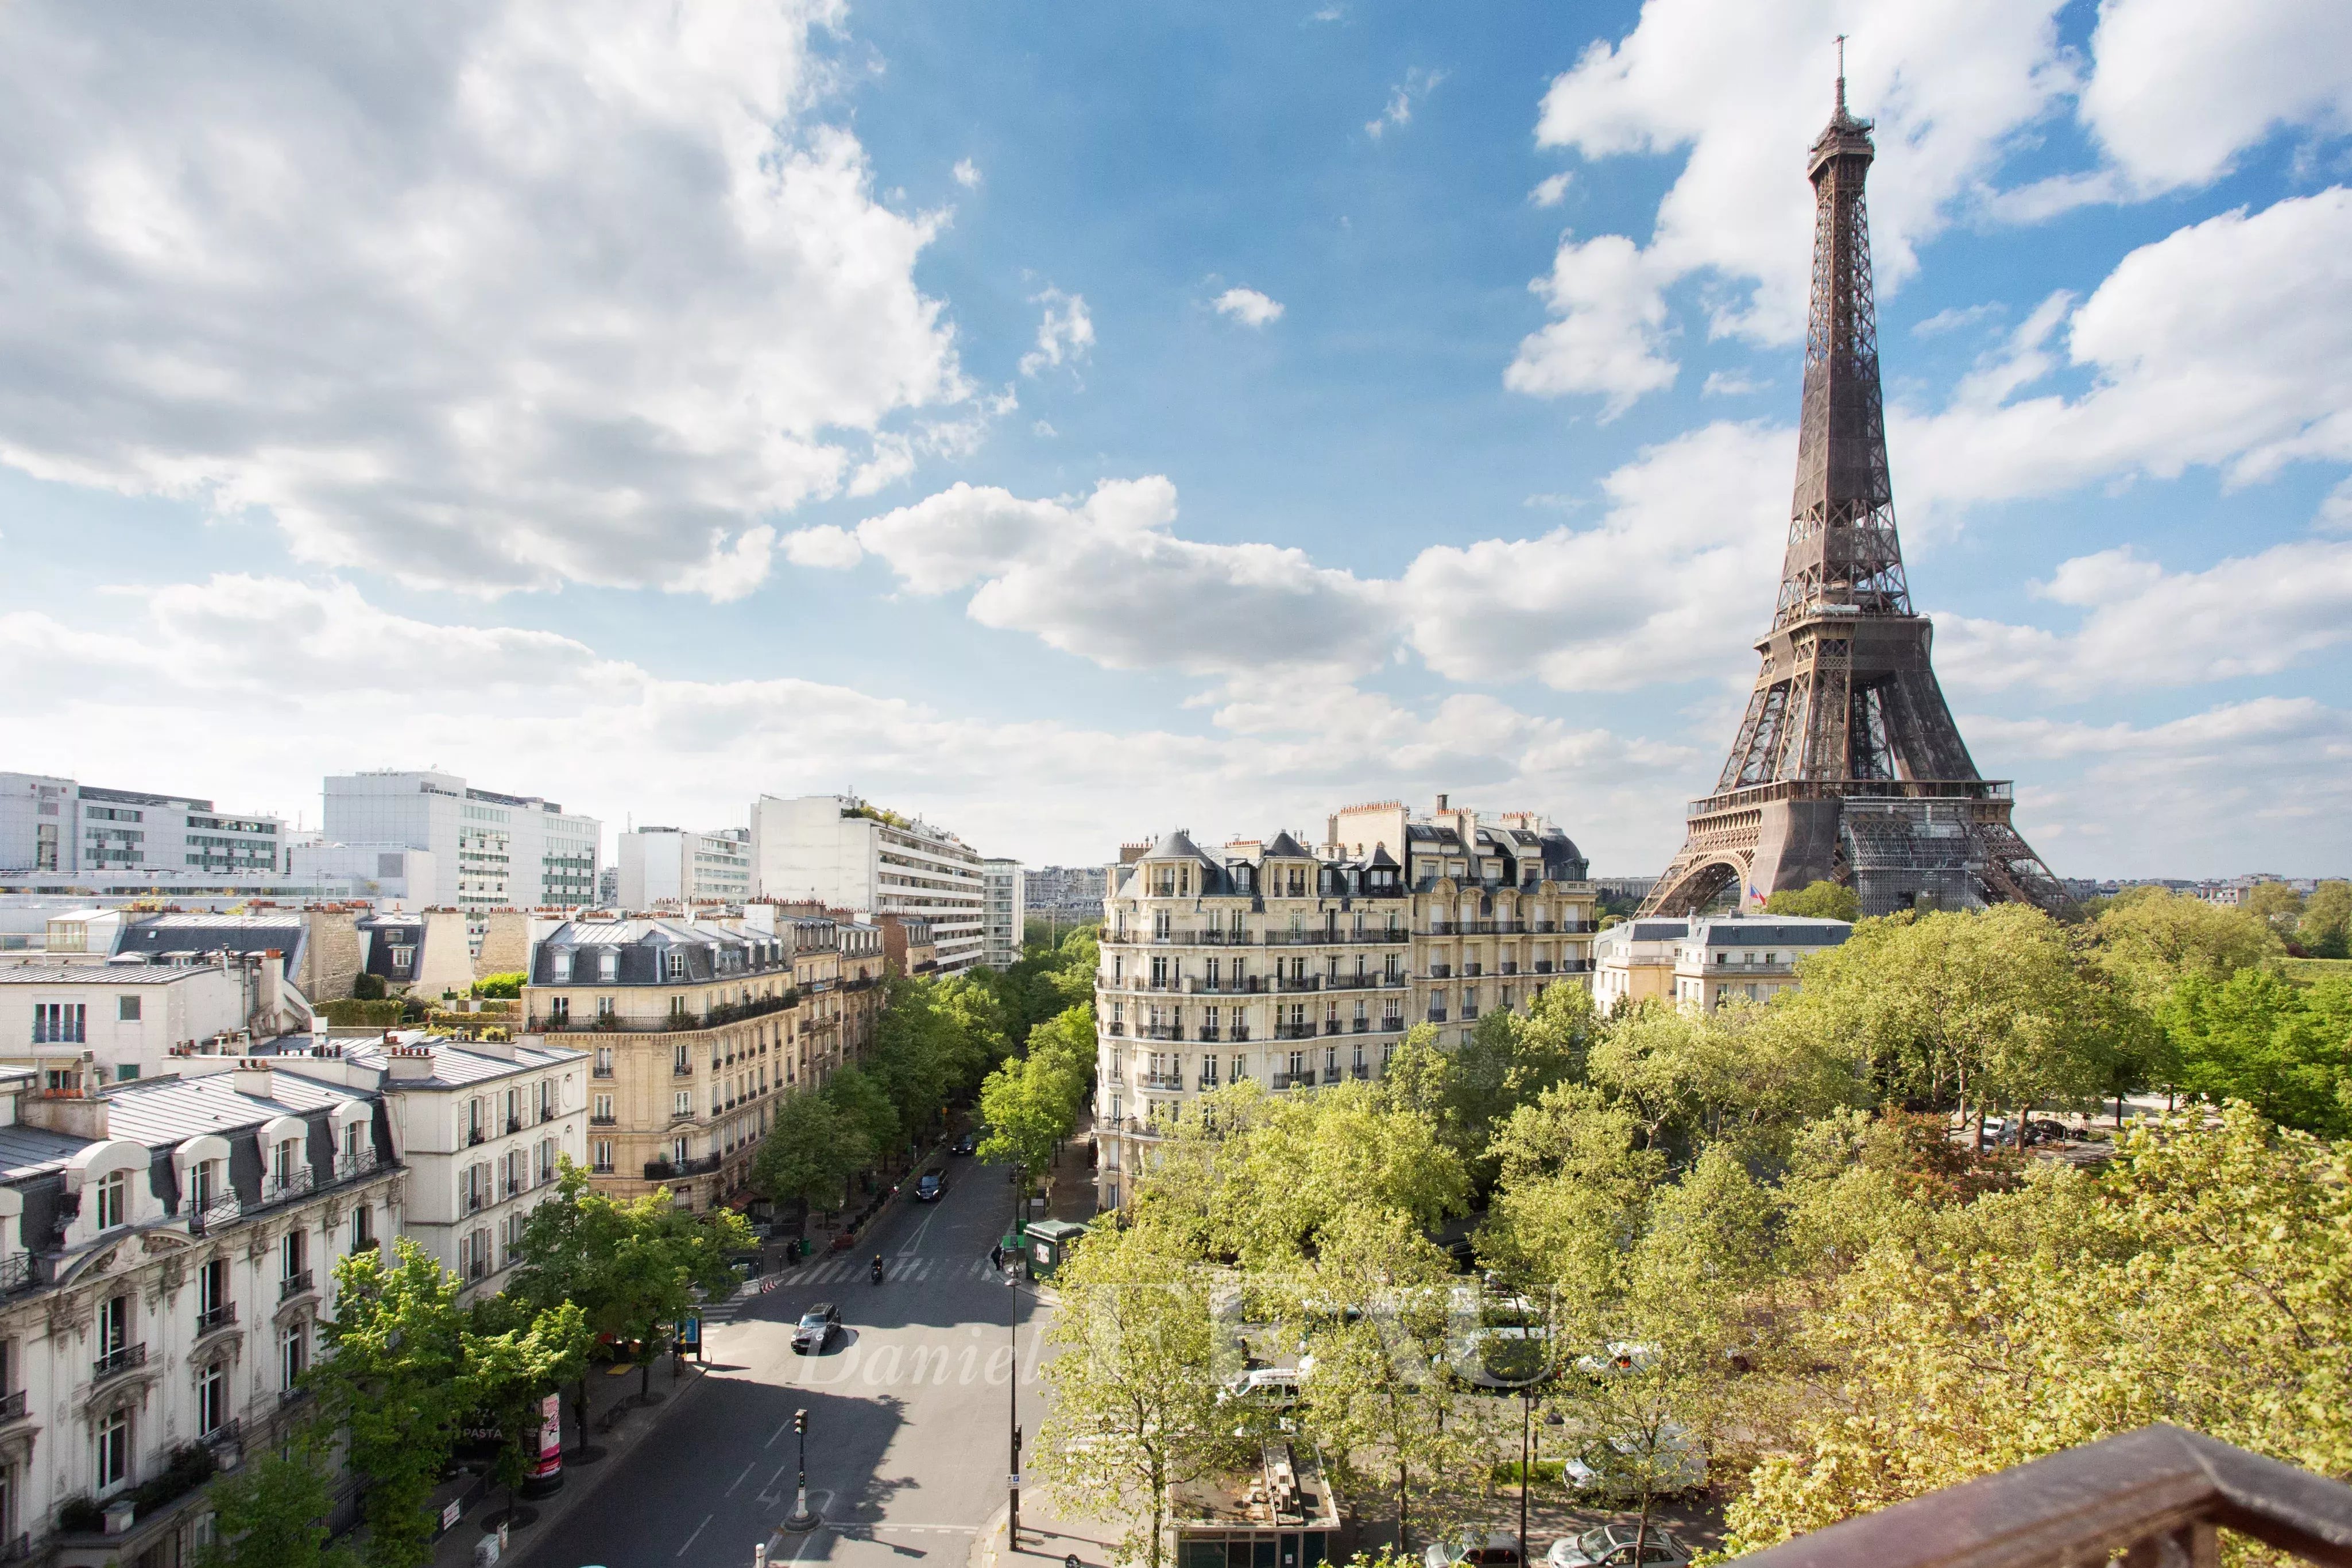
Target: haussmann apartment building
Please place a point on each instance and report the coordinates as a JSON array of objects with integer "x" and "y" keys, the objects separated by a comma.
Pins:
[{"x": 1301, "y": 967}]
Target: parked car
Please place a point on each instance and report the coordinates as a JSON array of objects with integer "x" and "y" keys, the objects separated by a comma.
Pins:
[
  {"x": 1621, "y": 1356},
  {"x": 1611, "y": 1546},
  {"x": 2047, "y": 1132},
  {"x": 1475, "y": 1548},
  {"x": 814, "y": 1334},
  {"x": 964, "y": 1144},
  {"x": 1681, "y": 1464},
  {"x": 928, "y": 1187}
]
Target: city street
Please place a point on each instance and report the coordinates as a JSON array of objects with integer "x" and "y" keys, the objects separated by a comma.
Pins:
[{"x": 907, "y": 1439}]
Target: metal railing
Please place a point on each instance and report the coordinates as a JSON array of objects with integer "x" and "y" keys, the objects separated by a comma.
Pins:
[
  {"x": 604, "y": 1121},
  {"x": 1440, "y": 971},
  {"x": 285, "y": 1188},
  {"x": 1294, "y": 1031},
  {"x": 1294, "y": 1079},
  {"x": 474, "y": 1136},
  {"x": 1210, "y": 1033},
  {"x": 1331, "y": 1026},
  {"x": 351, "y": 1168},
  {"x": 1160, "y": 1080},
  {"x": 1359, "y": 1070},
  {"x": 2153, "y": 1496},
  {"x": 1160, "y": 1031},
  {"x": 220, "y": 1317},
  {"x": 601, "y": 1070},
  {"x": 129, "y": 1358},
  {"x": 664, "y": 1170},
  {"x": 12, "y": 1405},
  {"x": 1437, "y": 1015},
  {"x": 293, "y": 1285},
  {"x": 16, "y": 1273}
]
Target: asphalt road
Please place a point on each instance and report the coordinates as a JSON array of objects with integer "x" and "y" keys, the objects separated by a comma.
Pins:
[{"x": 908, "y": 1443}]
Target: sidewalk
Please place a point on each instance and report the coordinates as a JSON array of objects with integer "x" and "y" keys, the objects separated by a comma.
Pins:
[
  {"x": 616, "y": 1425},
  {"x": 1044, "y": 1539}
]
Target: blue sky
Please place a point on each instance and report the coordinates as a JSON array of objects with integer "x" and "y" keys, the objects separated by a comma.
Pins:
[{"x": 1070, "y": 421}]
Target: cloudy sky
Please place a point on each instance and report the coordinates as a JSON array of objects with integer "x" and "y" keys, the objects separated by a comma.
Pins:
[{"x": 1068, "y": 420}]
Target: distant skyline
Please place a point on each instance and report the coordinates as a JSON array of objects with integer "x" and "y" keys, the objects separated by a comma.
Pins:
[{"x": 1066, "y": 424}]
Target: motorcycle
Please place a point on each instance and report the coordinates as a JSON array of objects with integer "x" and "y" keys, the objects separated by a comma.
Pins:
[{"x": 878, "y": 1270}]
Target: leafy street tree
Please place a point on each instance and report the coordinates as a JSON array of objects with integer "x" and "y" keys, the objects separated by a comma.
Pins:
[
  {"x": 1989, "y": 1009},
  {"x": 2324, "y": 929},
  {"x": 2276, "y": 906},
  {"x": 2258, "y": 1038},
  {"x": 516, "y": 1355},
  {"x": 1576, "y": 1183},
  {"x": 2149, "y": 937},
  {"x": 2204, "y": 1280},
  {"x": 1373, "y": 1311},
  {"x": 1028, "y": 1105},
  {"x": 811, "y": 1152},
  {"x": 394, "y": 1383},
  {"x": 866, "y": 1107},
  {"x": 1816, "y": 900},
  {"x": 634, "y": 1266},
  {"x": 1134, "y": 1409},
  {"x": 1745, "y": 1074},
  {"x": 1506, "y": 1061},
  {"x": 272, "y": 1512},
  {"x": 1293, "y": 1165}
]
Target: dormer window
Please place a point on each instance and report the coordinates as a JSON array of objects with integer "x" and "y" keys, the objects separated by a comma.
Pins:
[
  {"x": 608, "y": 966},
  {"x": 560, "y": 970},
  {"x": 677, "y": 964},
  {"x": 113, "y": 1199}
]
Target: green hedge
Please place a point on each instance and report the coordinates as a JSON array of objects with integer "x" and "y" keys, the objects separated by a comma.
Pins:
[{"x": 352, "y": 1013}]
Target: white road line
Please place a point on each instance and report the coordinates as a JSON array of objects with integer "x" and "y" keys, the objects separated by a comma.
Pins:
[
  {"x": 779, "y": 1432},
  {"x": 741, "y": 1479},
  {"x": 698, "y": 1530},
  {"x": 916, "y": 1239}
]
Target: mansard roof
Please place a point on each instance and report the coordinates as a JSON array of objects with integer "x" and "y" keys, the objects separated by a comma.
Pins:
[{"x": 1285, "y": 847}]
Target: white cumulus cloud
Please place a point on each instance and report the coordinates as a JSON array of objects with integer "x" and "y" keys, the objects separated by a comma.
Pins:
[
  {"x": 486, "y": 296},
  {"x": 967, "y": 173},
  {"x": 1418, "y": 84},
  {"x": 1248, "y": 306},
  {"x": 1066, "y": 333}
]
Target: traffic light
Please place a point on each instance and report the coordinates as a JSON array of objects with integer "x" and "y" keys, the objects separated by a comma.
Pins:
[{"x": 800, "y": 1421}]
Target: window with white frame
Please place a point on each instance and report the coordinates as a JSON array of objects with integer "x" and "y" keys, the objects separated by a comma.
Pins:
[
  {"x": 682, "y": 1102},
  {"x": 601, "y": 1155},
  {"x": 113, "y": 1199},
  {"x": 110, "y": 1468},
  {"x": 212, "y": 1399},
  {"x": 293, "y": 1354}
]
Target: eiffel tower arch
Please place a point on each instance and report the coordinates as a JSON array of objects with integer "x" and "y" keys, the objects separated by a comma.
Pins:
[{"x": 1847, "y": 766}]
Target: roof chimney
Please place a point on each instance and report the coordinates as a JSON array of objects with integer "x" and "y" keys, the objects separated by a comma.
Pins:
[
  {"x": 252, "y": 1076},
  {"x": 1441, "y": 800},
  {"x": 409, "y": 1063}
]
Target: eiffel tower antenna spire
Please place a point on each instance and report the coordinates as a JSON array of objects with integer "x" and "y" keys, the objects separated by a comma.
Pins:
[{"x": 1847, "y": 766}]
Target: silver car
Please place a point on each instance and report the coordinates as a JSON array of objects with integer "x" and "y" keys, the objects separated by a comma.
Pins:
[
  {"x": 814, "y": 1334},
  {"x": 1611, "y": 1546}
]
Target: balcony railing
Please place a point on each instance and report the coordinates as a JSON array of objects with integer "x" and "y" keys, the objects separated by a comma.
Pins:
[
  {"x": 1160, "y": 1080},
  {"x": 114, "y": 1363},
  {"x": 1210, "y": 1033},
  {"x": 1115, "y": 1027},
  {"x": 294, "y": 1285},
  {"x": 2154, "y": 1496},
  {"x": 1363, "y": 1026},
  {"x": 602, "y": 1069},
  {"x": 351, "y": 1168},
  {"x": 474, "y": 1136},
  {"x": 604, "y": 1121},
  {"x": 1543, "y": 966},
  {"x": 1331, "y": 1026},
  {"x": 12, "y": 1405},
  {"x": 1239, "y": 1032},
  {"x": 220, "y": 1317},
  {"x": 1472, "y": 971},
  {"x": 1440, "y": 971},
  {"x": 666, "y": 1170},
  {"x": 287, "y": 1187},
  {"x": 219, "y": 1212},
  {"x": 1360, "y": 1070},
  {"x": 16, "y": 1273},
  {"x": 1294, "y": 1079},
  {"x": 1162, "y": 1032},
  {"x": 1330, "y": 1076},
  {"x": 1437, "y": 1015},
  {"x": 1294, "y": 1031}
]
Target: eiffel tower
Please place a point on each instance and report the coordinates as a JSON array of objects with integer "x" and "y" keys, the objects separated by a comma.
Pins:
[{"x": 1847, "y": 767}]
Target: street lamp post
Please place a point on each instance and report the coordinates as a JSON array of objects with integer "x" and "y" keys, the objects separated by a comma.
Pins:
[
  {"x": 1526, "y": 1427},
  {"x": 1012, "y": 1373}
]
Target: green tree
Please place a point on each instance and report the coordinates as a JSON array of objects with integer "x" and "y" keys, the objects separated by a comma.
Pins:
[
  {"x": 1373, "y": 1309},
  {"x": 1030, "y": 1103},
  {"x": 508, "y": 984},
  {"x": 634, "y": 1266},
  {"x": 811, "y": 1150},
  {"x": 2276, "y": 906},
  {"x": 1745, "y": 1074},
  {"x": 272, "y": 1512},
  {"x": 1296, "y": 1164},
  {"x": 391, "y": 1383},
  {"x": 1816, "y": 900},
  {"x": 2148, "y": 937},
  {"x": 2324, "y": 929},
  {"x": 866, "y": 1106},
  {"x": 1576, "y": 1183},
  {"x": 1134, "y": 1411},
  {"x": 1506, "y": 1062},
  {"x": 2258, "y": 1038},
  {"x": 516, "y": 1355},
  {"x": 1985, "y": 1009}
]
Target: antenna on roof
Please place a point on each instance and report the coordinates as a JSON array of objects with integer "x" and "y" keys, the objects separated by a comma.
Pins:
[{"x": 1841, "y": 87}]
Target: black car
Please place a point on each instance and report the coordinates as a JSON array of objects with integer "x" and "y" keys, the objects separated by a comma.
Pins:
[
  {"x": 964, "y": 1144},
  {"x": 814, "y": 1334},
  {"x": 928, "y": 1186}
]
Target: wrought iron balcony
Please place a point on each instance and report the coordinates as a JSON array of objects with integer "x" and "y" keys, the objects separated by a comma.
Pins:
[
  {"x": 114, "y": 1363},
  {"x": 17, "y": 1273},
  {"x": 1294, "y": 1031},
  {"x": 2154, "y": 1496},
  {"x": 12, "y": 1405},
  {"x": 287, "y": 1187},
  {"x": 666, "y": 1170},
  {"x": 682, "y": 1070},
  {"x": 1440, "y": 971},
  {"x": 294, "y": 1285},
  {"x": 474, "y": 1136},
  {"x": 220, "y": 1317},
  {"x": 1363, "y": 1026},
  {"x": 1330, "y": 1076},
  {"x": 1162, "y": 1032},
  {"x": 1160, "y": 1080},
  {"x": 1472, "y": 970},
  {"x": 1240, "y": 1033},
  {"x": 352, "y": 1166},
  {"x": 1360, "y": 1071},
  {"x": 1437, "y": 1015},
  {"x": 213, "y": 1215},
  {"x": 1331, "y": 1026},
  {"x": 1209, "y": 1033},
  {"x": 1543, "y": 966},
  {"x": 1294, "y": 1079},
  {"x": 1115, "y": 1027}
]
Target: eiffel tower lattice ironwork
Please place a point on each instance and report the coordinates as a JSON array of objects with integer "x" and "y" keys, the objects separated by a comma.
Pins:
[{"x": 1847, "y": 766}]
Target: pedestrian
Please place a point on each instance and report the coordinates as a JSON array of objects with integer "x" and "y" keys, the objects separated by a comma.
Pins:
[{"x": 996, "y": 1256}]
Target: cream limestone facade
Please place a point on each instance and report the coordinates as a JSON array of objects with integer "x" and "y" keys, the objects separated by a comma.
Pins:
[
  {"x": 1707, "y": 963},
  {"x": 1302, "y": 968},
  {"x": 694, "y": 1030}
]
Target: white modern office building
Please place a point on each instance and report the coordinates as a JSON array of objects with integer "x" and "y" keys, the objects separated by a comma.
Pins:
[
  {"x": 54, "y": 824},
  {"x": 1001, "y": 916},
  {"x": 490, "y": 850},
  {"x": 673, "y": 865},
  {"x": 846, "y": 854}
]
